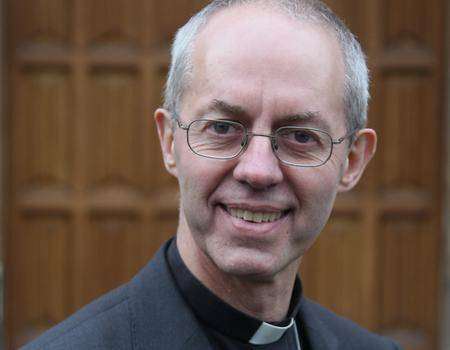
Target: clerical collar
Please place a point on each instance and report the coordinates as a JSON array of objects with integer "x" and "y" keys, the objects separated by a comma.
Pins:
[{"x": 220, "y": 316}]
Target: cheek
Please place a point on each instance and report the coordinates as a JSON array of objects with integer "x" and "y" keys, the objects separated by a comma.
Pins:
[
  {"x": 198, "y": 177},
  {"x": 318, "y": 182},
  {"x": 316, "y": 190}
]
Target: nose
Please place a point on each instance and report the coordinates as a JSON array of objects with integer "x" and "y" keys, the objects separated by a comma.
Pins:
[{"x": 258, "y": 166}]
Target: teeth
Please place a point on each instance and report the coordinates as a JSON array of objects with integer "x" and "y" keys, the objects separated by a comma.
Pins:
[
  {"x": 248, "y": 215},
  {"x": 254, "y": 216}
]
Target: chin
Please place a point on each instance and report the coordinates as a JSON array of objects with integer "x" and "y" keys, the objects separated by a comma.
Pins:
[{"x": 250, "y": 264}]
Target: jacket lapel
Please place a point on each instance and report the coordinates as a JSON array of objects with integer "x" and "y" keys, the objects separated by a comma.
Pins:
[
  {"x": 319, "y": 335},
  {"x": 197, "y": 341},
  {"x": 160, "y": 317}
]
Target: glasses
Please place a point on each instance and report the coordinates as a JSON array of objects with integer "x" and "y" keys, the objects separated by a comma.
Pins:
[{"x": 292, "y": 145}]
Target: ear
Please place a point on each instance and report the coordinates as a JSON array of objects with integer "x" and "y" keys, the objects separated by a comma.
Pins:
[
  {"x": 359, "y": 155},
  {"x": 164, "y": 125}
]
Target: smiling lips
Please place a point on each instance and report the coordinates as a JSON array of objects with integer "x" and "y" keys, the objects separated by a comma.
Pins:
[{"x": 254, "y": 216}]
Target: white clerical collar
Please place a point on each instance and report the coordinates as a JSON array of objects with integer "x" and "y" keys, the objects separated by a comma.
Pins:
[
  {"x": 268, "y": 333},
  {"x": 223, "y": 318}
]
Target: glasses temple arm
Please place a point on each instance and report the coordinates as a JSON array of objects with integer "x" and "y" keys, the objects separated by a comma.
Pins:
[
  {"x": 346, "y": 136},
  {"x": 181, "y": 125}
]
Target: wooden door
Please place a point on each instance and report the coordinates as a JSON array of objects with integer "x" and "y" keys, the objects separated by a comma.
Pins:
[
  {"x": 378, "y": 260},
  {"x": 89, "y": 202}
]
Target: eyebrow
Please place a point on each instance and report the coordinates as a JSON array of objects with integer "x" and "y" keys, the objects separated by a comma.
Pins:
[
  {"x": 231, "y": 110},
  {"x": 301, "y": 117},
  {"x": 228, "y": 109},
  {"x": 308, "y": 116}
]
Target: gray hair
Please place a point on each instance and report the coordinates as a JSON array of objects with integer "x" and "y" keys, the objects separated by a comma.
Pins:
[{"x": 356, "y": 83}]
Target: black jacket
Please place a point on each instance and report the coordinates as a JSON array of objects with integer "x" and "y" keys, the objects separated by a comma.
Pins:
[{"x": 149, "y": 313}]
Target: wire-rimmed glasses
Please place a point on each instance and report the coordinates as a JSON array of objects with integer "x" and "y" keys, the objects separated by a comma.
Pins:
[{"x": 292, "y": 145}]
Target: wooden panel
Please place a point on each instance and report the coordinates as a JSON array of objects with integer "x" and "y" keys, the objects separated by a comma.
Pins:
[
  {"x": 354, "y": 15},
  {"x": 115, "y": 128},
  {"x": 407, "y": 153},
  {"x": 162, "y": 224},
  {"x": 173, "y": 14},
  {"x": 43, "y": 127},
  {"x": 45, "y": 293},
  {"x": 46, "y": 21},
  {"x": 110, "y": 252},
  {"x": 409, "y": 118},
  {"x": 410, "y": 23},
  {"x": 115, "y": 21},
  {"x": 333, "y": 271},
  {"x": 408, "y": 258}
]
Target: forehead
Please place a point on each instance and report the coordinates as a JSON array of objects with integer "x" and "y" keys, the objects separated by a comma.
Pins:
[{"x": 267, "y": 62}]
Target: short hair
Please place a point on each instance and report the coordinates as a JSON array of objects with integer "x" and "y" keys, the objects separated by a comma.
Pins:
[{"x": 356, "y": 80}]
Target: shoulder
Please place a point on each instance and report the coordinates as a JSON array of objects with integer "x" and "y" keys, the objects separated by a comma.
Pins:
[
  {"x": 346, "y": 333},
  {"x": 142, "y": 314},
  {"x": 109, "y": 321},
  {"x": 103, "y": 324}
]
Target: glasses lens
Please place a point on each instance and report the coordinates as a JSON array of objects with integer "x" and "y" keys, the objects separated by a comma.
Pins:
[
  {"x": 303, "y": 146},
  {"x": 216, "y": 138}
]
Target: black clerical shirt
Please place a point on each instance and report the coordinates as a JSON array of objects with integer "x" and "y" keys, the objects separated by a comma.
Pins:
[{"x": 228, "y": 328}]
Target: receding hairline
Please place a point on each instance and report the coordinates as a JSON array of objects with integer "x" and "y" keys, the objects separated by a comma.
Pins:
[
  {"x": 296, "y": 20},
  {"x": 356, "y": 77}
]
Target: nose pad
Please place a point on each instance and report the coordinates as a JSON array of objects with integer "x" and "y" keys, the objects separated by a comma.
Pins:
[{"x": 274, "y": 144}]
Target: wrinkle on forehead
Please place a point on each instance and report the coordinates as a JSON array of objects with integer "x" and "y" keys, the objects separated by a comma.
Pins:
[{"x": 249, "y": 46}]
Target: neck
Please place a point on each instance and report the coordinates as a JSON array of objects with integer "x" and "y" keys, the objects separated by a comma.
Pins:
[{"x": 266, "y": 299}]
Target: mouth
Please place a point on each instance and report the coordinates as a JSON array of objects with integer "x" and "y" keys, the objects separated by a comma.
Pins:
[{"x": 255, "y": 216}]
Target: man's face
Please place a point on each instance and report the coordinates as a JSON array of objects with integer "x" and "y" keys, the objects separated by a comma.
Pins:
[{"x": 262, "y": 69}]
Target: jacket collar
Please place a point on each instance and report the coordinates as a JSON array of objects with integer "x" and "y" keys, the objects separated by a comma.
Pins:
[
  {"x": 159, "y": 313},
  {"x": 155, "y": 300},
  {"x": 222, "y": 317}
]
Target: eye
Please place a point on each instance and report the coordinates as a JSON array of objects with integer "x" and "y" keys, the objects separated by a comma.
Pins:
[
  {"x": 300, "y": 136},
  {"x": 301, "y": 139},
  {"x": 221, "y": 128},
  {"x": 303, "y": 136}
]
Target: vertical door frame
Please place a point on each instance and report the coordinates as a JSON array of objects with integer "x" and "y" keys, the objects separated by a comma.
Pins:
[
  {"x": 445, "y": 323},
  {"x": 2, "y": 122},
  {"x": 4, "y": 166}
]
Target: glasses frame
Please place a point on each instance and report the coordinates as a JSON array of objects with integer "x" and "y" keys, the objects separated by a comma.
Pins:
[{"x": 273, "y": 140}]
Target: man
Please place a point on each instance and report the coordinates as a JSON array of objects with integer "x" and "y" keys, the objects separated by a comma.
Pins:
[{"x": 264, "y": 123}]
